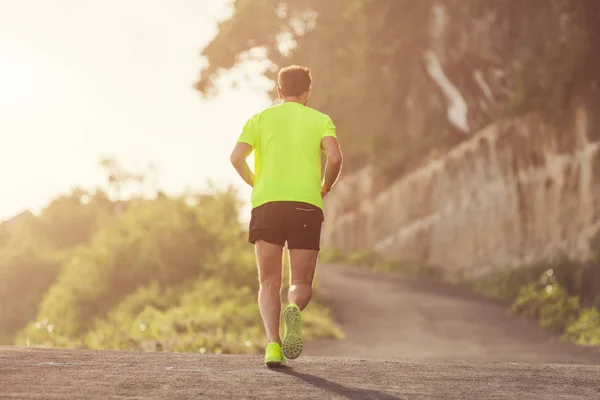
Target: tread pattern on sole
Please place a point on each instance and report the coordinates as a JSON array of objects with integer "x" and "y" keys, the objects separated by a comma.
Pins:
[{"x": 292, "y": 340}]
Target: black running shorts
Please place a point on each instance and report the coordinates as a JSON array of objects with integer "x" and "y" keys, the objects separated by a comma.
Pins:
[{"x": 298, "y": 224}]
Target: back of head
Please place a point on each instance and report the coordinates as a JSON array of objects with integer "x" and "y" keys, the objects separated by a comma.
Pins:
[{"x": 294, "y": 81}]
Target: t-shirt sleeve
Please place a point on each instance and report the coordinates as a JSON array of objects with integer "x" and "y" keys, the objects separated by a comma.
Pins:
[
  {"x": 328, "y": 128},
  {"x": 249, "y": 133}
]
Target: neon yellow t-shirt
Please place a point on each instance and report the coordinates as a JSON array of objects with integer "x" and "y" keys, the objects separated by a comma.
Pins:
[{"x": 286, "y": 140}]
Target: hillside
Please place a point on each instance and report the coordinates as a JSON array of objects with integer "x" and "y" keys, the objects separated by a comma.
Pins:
[
  {"x": 469, "y": 131},
  {"x": 407, "y": 80}
]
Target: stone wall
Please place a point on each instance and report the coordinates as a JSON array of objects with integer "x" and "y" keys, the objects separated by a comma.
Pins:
[{"x": 514, "y": 193}]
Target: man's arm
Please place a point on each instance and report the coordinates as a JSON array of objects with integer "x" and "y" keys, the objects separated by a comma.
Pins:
[
  {"x": 333, "y": 167},
  {"x": 238, "y": 158}
]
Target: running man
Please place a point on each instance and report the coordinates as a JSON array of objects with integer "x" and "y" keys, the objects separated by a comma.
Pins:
[{"x": 287, "y": 202}]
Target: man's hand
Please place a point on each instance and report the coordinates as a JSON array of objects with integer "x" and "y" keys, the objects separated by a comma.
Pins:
[{"x": 238, "y": 158}]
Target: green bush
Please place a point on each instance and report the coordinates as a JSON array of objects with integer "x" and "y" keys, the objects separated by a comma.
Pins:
[
  {"x": 554, "y": 293},
  {"x": 25, "y": 276},
  {"x": 506, "y": 284},
  {"x": 162, "y": 241},
  {"x": 210, "y": 317},
  {"x": 549, "y": 303},
  {"x": 169, "y": 274},
  {"x": 73, "y": 219},
  {"x": 586, "y": 329},
  {"x": 33, "y": 249}
]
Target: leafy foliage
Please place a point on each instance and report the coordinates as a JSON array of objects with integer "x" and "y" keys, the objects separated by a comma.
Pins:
[
  {"x": 556, "y": 293},
  {"x": 586, "y": 329},
  {"x": 33, "y": 249},
  {"x": 360, "y": 53},
  {"x": 370, "y": 75},
  {"x": 163, "y": 274},
  {"x": 549, "y": 303},
  {"x": 24, "y": 278}
]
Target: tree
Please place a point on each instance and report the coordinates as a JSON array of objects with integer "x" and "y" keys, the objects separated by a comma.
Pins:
[
  {"x": 164, "y": 241},
  {"x": 72, "y": 219},
  {"x": 28, "y": 266},
  {"x": 372, "y": 78}
]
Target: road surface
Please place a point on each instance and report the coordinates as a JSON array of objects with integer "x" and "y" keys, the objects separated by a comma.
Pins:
[
  {"x": 406, "y": 339},
  {"x": 391, "y": 316},
  {"x": 68, "y": 374}
]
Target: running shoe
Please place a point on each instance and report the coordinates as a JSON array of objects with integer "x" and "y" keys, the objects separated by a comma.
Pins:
[
  {"x": 274, "y": 355},
  {"x": 292, "y": 337}
]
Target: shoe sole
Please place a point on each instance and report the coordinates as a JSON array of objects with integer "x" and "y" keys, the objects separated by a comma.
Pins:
[
  {"x": 292, "y": 341},
  {"x": 274, "y": 364}
]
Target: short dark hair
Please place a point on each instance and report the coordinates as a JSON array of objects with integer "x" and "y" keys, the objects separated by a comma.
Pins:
[{"x": 294, "y": 80}]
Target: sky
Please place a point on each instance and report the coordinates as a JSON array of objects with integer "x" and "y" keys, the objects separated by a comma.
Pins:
[{"x": 86, "y": 79}]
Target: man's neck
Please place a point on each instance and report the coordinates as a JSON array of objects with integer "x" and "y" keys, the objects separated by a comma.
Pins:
[{"x": 292, "y": 100}]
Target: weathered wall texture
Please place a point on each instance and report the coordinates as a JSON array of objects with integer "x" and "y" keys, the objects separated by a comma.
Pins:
[{"x": 514, "y": 193}]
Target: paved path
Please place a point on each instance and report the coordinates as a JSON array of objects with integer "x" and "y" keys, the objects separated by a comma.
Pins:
[
  {"x": 407, "y": 339},
  {"x": 387, "y": 315},
  {"x": 78, "y": 374}
]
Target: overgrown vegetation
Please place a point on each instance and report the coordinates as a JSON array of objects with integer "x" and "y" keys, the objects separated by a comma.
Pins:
[
  {"x": 162, "y": 274},
  {"x": 562, "y": 295}
]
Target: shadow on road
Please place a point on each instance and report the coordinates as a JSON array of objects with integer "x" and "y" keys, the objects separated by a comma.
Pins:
[{"x": 349, "y": 393}]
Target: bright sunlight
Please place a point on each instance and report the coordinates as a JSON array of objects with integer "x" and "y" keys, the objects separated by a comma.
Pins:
[{"x": 16, "y": 76}]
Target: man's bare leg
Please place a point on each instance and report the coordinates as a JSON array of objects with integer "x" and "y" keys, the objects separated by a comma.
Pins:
[
  {"x": 302, "y": 272},
  {"x": 269, "y": 260}
]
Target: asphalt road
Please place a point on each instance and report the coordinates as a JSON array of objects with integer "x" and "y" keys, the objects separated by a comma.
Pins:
[
  {"x": 391, "y": 316},
  {"x": 406, "y": 339},
  {"x": 77, "y": 374}
]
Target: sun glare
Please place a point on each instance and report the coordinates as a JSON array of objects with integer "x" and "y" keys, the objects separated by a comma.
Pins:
[{"x": 16, "y": 77}]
